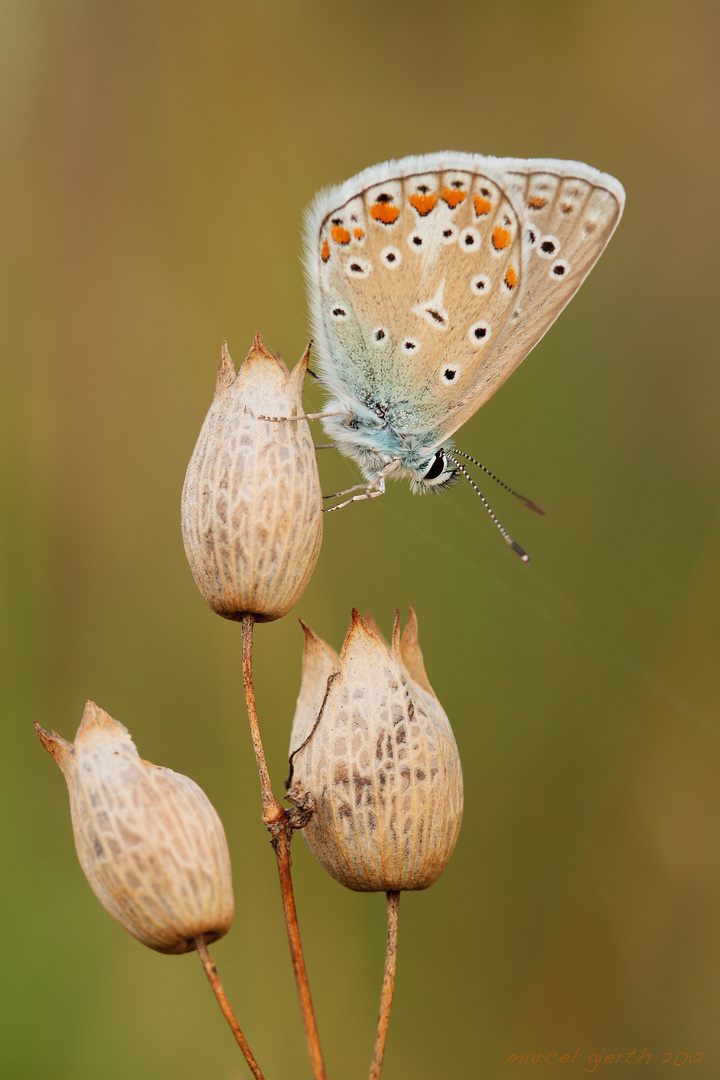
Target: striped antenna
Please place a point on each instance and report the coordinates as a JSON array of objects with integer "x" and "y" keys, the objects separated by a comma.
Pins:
[
  {"x": 526, "y": 502},
  {"x": 502, "y": 530}
]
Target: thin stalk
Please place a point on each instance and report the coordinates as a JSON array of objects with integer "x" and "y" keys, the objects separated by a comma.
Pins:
[
  {"x": 388, "y": 986},
  {"x": 272, "y": 810},
  {"x": 281, "y": 844},
  {"x": 218, "y": 991},
  {"x": 278, "y": 824}
]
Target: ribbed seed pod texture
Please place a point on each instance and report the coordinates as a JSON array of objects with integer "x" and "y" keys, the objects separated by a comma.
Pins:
[
  {"x": 148, "y": 839},
  {"x": 373, "y": 748},
  {"x": 252, "y": 504}
]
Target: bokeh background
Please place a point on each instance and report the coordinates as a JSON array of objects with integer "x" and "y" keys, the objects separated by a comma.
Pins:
[{"x": 156, "y": 161}]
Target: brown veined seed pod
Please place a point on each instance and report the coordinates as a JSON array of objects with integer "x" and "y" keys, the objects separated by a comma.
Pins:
[
  {"x": 373, "y": 752},
  {"x": 148, "y": 839},
  {"x": 251, "y": 503}
]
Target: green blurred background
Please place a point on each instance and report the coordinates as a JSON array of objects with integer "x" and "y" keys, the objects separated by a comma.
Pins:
[{"x": 156, "y": 161}]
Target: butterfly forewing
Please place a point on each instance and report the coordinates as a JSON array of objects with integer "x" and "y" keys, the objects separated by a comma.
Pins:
[
  {"x": 433, "y": 277},
  {"x": 417, "y": 277}
]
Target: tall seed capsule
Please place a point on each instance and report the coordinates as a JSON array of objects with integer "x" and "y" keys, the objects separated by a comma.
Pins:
[
  {"x": 148, "y": 839},
  {"x": 251, "y": 504},
  {"x": 373, "y": 751}
]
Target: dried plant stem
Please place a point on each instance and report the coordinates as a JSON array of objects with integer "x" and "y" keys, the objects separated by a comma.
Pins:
[
  {"x": 388, "y": 986},
  {"x": 281, "y": 844},
  {"x": 277, "y": 822},
  {"x": 218, "y": 991},
  {"x": 272, "y": 810}
]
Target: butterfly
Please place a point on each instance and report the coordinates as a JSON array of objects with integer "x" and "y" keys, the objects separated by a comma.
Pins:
[{"x": 430, "y": 280}]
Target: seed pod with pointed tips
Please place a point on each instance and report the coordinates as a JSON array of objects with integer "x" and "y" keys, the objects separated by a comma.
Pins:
[
  {"x": 148, "y": 839},
  {"x": 251, "y": 504},
  {"x": 373, "y": 751}
]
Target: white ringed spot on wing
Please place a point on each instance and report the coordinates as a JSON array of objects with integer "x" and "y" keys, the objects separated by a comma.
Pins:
[
  {"x": 479, "y": 333},
  {"x": 391, "y": 257},
  {"x": 547, "y": 246},
  {"x": 358, "y": 268},
  {"x": 449, "y": 374},
  {"x": 481, "y": 284},
  {"x": 469, "y": 239},
  {"x": 559, "y": 268}
]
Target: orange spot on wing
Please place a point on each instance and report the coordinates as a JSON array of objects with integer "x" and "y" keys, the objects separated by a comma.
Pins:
[
  {"x": 482, "y": 205},
  {"x": 386, "y": 212},
  {"x": 452, "y": 196},
  {"x": 423, "y": 202},
  {"x": 501, "y": 237},
  {"x": 536, "y": 202},
  {"x": 325, "y": 251},
  {"x": 358, "y": 233},
  {"x": 340, "y": 234},
  {"x": 511, "y": 278}
]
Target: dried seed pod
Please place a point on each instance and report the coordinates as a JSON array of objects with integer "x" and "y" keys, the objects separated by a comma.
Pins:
[
  {"x": 251, "y": 504},
  {"x": 148, "y": 839},
  {"x": 375, "y": 753}
]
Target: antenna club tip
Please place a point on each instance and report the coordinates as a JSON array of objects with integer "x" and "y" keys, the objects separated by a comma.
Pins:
[
  {"x": 534, "y": 506},
  {"x": 519, "y": 551}
]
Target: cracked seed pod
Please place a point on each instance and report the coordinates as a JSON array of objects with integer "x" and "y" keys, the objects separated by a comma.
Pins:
[
  {"x": 251, "y": 504},
  {"x": 148, "y": 839},
  {"x": 373, "y": 752}
]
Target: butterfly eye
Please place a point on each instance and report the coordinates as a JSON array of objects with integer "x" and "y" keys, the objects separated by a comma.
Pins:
[
  {"x": 449, "y": 375},
  {"x": 339, "y": 313},
  {"x": 559, "y": 268},
  {"x": 449, "y": 234},
  {"x": 415, "y": 241},
  {"x": 410, "y": 344},
  {"x": 440, "y": 474},
  {"x": 379, "y": 334},
  {"x": 437, "y": 466}
]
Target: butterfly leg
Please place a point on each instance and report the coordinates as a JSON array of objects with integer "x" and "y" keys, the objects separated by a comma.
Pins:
[
  {"x": 368, "y": 491},
  {"x": 305, "y": 416},
  {"x": 371, "y": 490}
]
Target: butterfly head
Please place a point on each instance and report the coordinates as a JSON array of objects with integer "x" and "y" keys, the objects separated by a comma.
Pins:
[{"x": 368, "y": 436}]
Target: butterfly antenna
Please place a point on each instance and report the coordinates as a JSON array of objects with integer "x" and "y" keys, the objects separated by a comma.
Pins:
[
  {"x": 503, "y": 532},
  {"x": 526, "y": 502}
]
